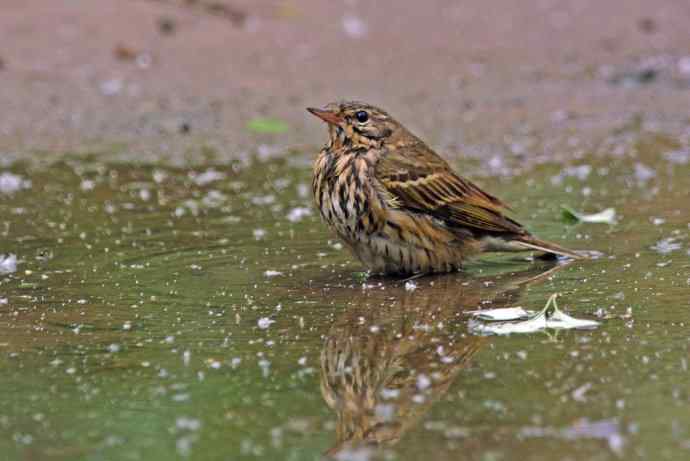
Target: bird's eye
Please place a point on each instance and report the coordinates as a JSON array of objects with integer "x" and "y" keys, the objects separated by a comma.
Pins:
[{"x": 362, "y": 116}]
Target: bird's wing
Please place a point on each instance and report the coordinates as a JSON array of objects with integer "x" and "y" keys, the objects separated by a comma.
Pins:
[{"x": 421, "y": 181}]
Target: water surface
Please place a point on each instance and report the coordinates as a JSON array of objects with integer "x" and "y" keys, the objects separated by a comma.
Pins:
[{"x": 172, "y": 313}]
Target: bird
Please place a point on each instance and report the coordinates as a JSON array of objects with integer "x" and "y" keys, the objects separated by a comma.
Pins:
[{"x": 399, "y": 206}]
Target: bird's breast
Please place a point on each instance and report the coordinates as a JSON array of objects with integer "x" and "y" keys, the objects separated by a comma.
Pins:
[{"x": 344, "y": 193}]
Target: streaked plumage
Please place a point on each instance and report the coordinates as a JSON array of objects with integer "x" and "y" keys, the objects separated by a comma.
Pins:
[{"x": 399, "y": 206}]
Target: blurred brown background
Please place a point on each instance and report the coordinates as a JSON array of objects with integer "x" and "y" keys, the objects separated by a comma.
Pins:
[{"x": 162, "y": 77}]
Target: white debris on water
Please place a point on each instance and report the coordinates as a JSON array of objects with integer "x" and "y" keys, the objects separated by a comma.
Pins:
[
  {"x": 423, "y": 382},
  {"x": 354, "y": 27},
  {"x": 355, "y": 453},
  {"x": 580, "y": 172},
  {"x": 550, "y": 317},
  {"x": 410, "y": 285},
  {"x": 679, "y": 157},
  {"x": 206, "y": 177},
  {"x": 10, "y": 183},
  {"x": 272, "y": 273},
  {"x": 114, "y": 348},
  {"x": 607, "y": 429},
  {"x": 264, "y": 322},
  {"x": 643, "y": 173},
  {"x": 111, "y": 87},
  {"x": 259, "y": 234},
  {"x": 298, "y": 213},
  {"x": 87, "y": 185},
  {"x": 684, "y": 65},
  {"x": 188, "y": 424},
  {"x": 8, "y": 263},
  {"x": 666, "y": 246}
]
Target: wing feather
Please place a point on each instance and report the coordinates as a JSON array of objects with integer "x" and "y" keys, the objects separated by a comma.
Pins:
[{"x": 422, "y": 181}]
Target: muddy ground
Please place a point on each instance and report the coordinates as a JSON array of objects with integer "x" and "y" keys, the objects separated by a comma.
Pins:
[{"x": 181, "y": 79}]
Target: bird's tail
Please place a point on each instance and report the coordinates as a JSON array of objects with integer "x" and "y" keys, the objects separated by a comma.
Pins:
[{"x": 533, "y": 243}]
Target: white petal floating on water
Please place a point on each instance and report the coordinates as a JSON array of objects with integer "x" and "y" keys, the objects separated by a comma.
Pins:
[
  {"x": 8, "y": 264},
  {"x": 607, "y": 216},
  {"x": 354, "y": 26},
  {"x": 10, "y": 183},
  {"x": 264, "y": 322},
  {"x": 410, "y": 285},
  {"x": 296, "y": 214},
  {"x": 666, "y": 246},
  {"x": 550, "y": 317}
]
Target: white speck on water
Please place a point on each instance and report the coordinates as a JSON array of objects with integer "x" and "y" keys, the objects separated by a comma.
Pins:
[
  {"x": 169, "y": 339},
  {"x": 580, "y": 172},
  {"x": 87, "y": 185},
  {"x": 215, "y": 364},
  {"x": 114, "y": 348},
  {"x": 186, "y": 357},
  {"x": 111, "y": 87},
  {"x": 3, "y": 301},
  {"x": 374, "y": 328},
  {"x": 235, "y": 362},
  {"x": 355, "y": 453},
  {"x": 206, "y": 177},
  {"x": 259, "y": 234},
  {"x": 159, "y": 176},
  {"x": 658, "y": 221},
  {"x": 303, "y": 190},
  {"x": 71, "y": 370},
  {"x": 387, "y": 394},
  {"x": 8, "y": 264},
  {"x": 679, "y": 157},
  {"x": 643, "y": 173},
  {"x": 579, "y": 393},
  {"x": 302, "y": 361},
  {"x": 684, "y": 66},
  {"x": 214, "y": 199},
  {"x": 296, "y": 214},
  {"x": 354, "y": 27},
  {"x": 184, "y": 445},
  {"x": 187, "y": 424},
  {"x": 666, "y": 246},
  {"x": 264, "y": 322},
  {"x": 10, "y": 183},
  {"x": 410, "y": 285},
  {"x": 265, "y": 366},
  {"x": 263, "y": 199},
  {"x": 272, "y": 273},
  {"x": 423, "y": 382},
  {"x": 127, "y": 325}
]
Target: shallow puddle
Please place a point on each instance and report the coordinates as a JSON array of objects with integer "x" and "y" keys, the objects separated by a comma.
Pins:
[{"x": 158, "y": 313}]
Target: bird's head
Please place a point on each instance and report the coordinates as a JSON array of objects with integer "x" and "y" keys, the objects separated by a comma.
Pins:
[{"x": 357, "y": 124}]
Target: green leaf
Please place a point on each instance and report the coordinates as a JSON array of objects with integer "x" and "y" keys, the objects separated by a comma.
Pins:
[{"x": 267, "y": 126}]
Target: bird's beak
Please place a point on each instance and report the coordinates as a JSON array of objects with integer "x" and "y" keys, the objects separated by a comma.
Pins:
[{"x": 326, "y": 115}]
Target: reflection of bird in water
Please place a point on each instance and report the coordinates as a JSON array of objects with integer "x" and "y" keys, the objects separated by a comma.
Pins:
[{"x": 394, "y": 352}]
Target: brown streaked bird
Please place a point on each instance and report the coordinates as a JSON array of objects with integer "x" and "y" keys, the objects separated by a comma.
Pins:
[{"x": 398, "y": 205}]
